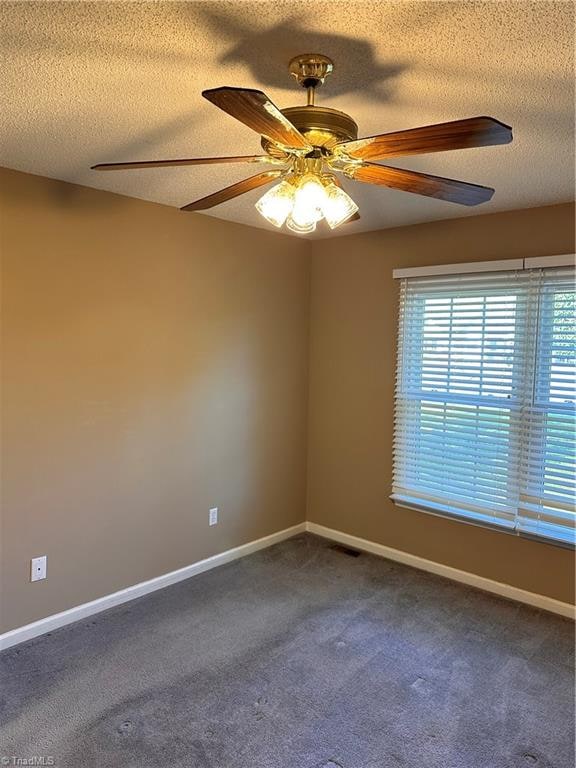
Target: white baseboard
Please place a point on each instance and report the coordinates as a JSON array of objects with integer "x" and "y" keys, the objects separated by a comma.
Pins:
[
  {"x": 471, "y": 579},
  {"x": 79, "y": 612},
  {"x": 40, "y": 627}
]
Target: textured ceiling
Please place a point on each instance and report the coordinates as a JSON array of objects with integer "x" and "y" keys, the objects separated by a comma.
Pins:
[{"x": 101, "y": 82}]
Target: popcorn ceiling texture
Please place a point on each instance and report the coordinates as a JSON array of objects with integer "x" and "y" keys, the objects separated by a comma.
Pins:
[{"x": 102, "y": 82}]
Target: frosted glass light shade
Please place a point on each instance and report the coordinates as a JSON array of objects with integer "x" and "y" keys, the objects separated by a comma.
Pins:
[
  {"x": 309, "y": 198},
  {"x": 277, "y": 203},
  {"x": 338, "y": 206},
  {"x": 302, "y": 226},
  {"x": 301, "y": 201},
  {"x": 308, "y": 201},
  {"x": 304, "y": 215}
]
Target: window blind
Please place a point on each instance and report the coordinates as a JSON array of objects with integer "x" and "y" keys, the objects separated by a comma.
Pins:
[
  {"x": 548, "y": 467},
  {"x": 484, "y": 424}
]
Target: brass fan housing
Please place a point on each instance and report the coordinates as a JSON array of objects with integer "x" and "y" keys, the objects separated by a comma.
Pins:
[{"x": 322, "y": 126}]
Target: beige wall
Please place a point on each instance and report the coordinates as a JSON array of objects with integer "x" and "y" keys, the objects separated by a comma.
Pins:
[
  {"x": 155, "y": 365},
  {"x": 352, "y": 366}
]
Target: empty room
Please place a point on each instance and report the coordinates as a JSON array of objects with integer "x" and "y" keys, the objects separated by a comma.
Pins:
[{"x": 288, "y": 384}]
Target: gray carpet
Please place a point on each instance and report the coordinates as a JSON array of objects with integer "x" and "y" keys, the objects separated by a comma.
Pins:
[{"x": 299, "y": 656}]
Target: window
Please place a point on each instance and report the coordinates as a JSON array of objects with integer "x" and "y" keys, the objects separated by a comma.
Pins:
[{"x": 485, "y": 402}]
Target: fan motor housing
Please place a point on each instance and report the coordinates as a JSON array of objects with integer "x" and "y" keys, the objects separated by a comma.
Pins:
[{"x": 322, "y": 126}]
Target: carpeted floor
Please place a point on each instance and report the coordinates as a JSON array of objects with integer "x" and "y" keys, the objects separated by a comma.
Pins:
[{"x": 299, "y": 656}]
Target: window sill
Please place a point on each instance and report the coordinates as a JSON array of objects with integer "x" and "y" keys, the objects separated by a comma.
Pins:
[{"x": 502, "y": 527}]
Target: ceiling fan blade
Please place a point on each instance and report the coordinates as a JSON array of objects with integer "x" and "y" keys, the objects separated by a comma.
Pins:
[
  {"x": 422, "y": 184},
  {"x": 460, "y": 134},
  {"x": 246, "y": 185},
  {"x": 254, "y": 109},
  {"x": 184, "y": 161}
]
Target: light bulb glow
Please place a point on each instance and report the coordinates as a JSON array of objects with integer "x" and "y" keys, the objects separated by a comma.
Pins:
[
  {"x": 310, "y": 196},
  {"x": 300, "y": 201},
  {"x": 338, "y": 206},
  {"x": 277, "y": 203}
]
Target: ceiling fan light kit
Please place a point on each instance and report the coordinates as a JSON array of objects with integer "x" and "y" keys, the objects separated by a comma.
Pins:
[
  {"x": 311, "y": 145},
  {"x": 306, "y": 197}
]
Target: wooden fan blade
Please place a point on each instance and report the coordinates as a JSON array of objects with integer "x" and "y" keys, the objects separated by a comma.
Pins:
[
  {"x": 254, "y": 109},
  {"x": 422, "y": 184},
  {"x": 246, "y": 185},
  {"x": 184, "y": 161},
  {"x": 460, "y": 134}
]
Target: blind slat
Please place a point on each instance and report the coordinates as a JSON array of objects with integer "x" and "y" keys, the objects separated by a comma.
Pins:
[{"x": 485, "y": 398}]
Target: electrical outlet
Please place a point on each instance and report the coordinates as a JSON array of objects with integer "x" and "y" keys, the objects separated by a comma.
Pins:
[
  {"x": 213, "y": 516},
  {"x": 38, "y": 568}
]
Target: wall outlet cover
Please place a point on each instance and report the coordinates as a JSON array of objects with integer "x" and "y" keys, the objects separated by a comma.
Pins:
[
  {"x": 213, "y": 516},
  {"x": 38, "y": 568}
]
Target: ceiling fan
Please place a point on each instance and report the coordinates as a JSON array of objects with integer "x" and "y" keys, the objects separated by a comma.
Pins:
[{"x": 308, "y": 145}]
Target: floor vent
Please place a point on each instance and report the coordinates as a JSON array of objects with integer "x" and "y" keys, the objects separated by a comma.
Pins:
[{"x": 346, "y": 550}]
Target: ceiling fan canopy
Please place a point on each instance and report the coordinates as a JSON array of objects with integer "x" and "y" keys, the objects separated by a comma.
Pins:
[{"x": 309, "y": 146}]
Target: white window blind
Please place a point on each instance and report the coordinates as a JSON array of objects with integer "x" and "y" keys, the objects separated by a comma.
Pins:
[
  {"x": 548, "y": 466},
  {"x": 485, "y": 398}
]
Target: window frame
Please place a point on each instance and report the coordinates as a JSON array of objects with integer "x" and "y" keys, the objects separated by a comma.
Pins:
[{"x": 431, "y": 507}]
